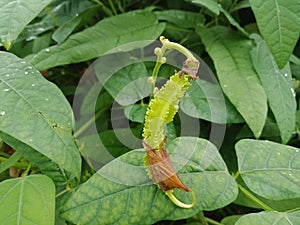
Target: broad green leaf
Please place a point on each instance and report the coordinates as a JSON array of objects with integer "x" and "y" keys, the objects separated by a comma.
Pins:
[
  {"x": 266, "y": 218},
  {"x": 279, "y": 24},
  {"x": 94, "y": 41},
  {"x": 278, "y": 87},
  {"x": 212, "y": 5},
  {"x": 233, "y": 22},
  {"x": 180, "y": 18},
  {"x": 61, "y": 34},
  {"x": 206, "y": 101},
  {"x": 128, "y": 85},
  {"x": 15, "y": 15},
  {"x": 230, "y": 220},
  {"x": 136, "y": 113},
  {"x": 27, "y": 200},
  {"x": 231, "y": 55},
  {"x": 10, "y": 161},
  {"x": 121, "y": 192},
  {"x": 36, "y": 113},
  {"x": 269, "y": 169}
]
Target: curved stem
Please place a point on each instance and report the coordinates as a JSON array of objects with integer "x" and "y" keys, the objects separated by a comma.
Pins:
[
  {"x": 166, "y": 44},
  {"x": 177, "y": 202}
]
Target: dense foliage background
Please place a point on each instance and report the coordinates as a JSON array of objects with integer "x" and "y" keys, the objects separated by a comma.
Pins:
[{"x": 244, "y": 165}]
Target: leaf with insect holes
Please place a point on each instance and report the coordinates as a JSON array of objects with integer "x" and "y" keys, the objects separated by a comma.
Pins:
[
  {"x": 36, "y": 113},
  {"x": 121, "y": 191}
]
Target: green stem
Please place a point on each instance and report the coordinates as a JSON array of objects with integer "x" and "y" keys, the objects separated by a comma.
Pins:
[
  {"x": 213, "y": 222},
  {"x": 112, "y": 7},
  {"x": 105, "y": 9},
  {"x": 48, "y": 10},
  {"x": 12, "y": 162},
  {"x": 87, "y": 124},
  {"x": 62, "y": 192},
  {"x": 254, "y": 199},
  {"x": 166, "y": 44}
]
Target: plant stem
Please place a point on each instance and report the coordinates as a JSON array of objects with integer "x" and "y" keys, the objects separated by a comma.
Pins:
[
  {"x": 112, "y": 7},
  {"x": 166, "y": 44},
  {"x": 105, "y": 9},
  {"x": 213, "y": 222},
  {"x": 48, "y": 10},
  {"x": 255, "y": 199},
  {"x": 87, "y": 124}
]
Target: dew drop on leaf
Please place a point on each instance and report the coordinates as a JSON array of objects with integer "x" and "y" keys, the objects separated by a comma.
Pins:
[
  {"x": 2, "y": 113},
  {"x": 47, "y": 50},
  {"x": 7, "y": 89},
  {"x": 293, "y": 92},
  {"x": 26, "y": 73}
]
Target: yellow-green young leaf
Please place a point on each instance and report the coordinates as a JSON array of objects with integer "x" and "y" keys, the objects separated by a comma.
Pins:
[
  {"x": 278, "y": 86},
  {"x": 27, "y": 200},
  {"x": 15, "y": 15},
  {"x": 279, "y": 23},
  {"x": 121, "y": 192},
  {"x": 269, "y": 169},
  {"x": 36, "y": 113},
  {"x": 94, "y": 41},
  {"x": 231, "y": 56},
  {"x": 266, "y": 218}
]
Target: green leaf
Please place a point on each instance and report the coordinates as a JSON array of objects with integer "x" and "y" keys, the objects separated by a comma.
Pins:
[
  {"x": 206, "y": 101},
  {"x": 279, "y": 24},
  {"x": 129, "y": 84},
  {"x": 61, "y": 34},
  {"x": 230, "y": 220},
  {"x": 94, "y": 41},
  {"x": 121, "y": 191},
  {"x": 233, "y": 22},
  {"x": 231, "y": 55},
  {"x": 269, "y": 169},
  {"x": 278, "y": 218},
  {"x": 36, "y": 113},
  {"x": 15, "y": 15},
  {"x": 136, "y": 113},
  {"x": 212, "y": 5},
  {"x": 278, "y": 87},
  {"x": 27, "y": 200},
  {"x": 180, "y": 18}
]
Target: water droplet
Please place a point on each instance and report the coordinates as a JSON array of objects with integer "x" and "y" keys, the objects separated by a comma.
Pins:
[
  {"x": 76, "y": 14},
  {"x": 33, "y": 85},
  {"x": 47, "y": 99},
  {"x": 30, "y": 140},
  {"x": 2, "y": 113},
  {"x": 285, "y": 74},
  {"x": 297, "y": 150},
  {"x": 7, "y": 89},
  {"x": 26, "y": 73},
  {"x": 290, "y": 174},
  {"x": 23, "y": 62},
  {"x": 225, "y": 85},
  {"x": 29, "y": 67},
  {"x": 278, "y": 153},
  {"x": 293, "y": 92},
  {"x": 47, "y": 50},
  {"x": 7, "y": 75}
]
